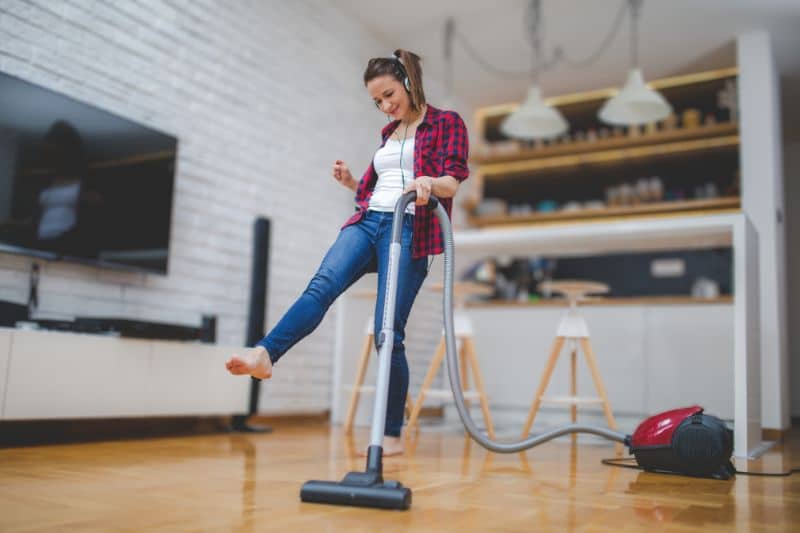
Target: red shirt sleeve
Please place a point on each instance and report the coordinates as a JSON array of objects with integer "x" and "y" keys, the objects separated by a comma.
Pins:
[{"x": 455, "y": 144}]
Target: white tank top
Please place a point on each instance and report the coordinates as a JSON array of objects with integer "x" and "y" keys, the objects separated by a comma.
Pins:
[{"x": 390, "y": 185}]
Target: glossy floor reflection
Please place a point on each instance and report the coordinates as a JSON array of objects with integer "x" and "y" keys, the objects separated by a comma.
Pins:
[{"x": 251, "y": 482}]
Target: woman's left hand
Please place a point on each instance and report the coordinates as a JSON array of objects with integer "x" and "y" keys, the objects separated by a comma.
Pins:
[{"x": 423, "y": 186}]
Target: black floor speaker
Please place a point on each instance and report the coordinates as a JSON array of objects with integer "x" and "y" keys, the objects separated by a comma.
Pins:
[{"x": 256, "y": 316}]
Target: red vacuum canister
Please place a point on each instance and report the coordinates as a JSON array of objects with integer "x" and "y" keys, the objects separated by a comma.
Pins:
[{"x": 684, "y": 441}]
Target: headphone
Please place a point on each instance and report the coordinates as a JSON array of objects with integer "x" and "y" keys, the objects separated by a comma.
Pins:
[
  {"x": 401, "y": 70},
  {"x": 403, "y": 74}
]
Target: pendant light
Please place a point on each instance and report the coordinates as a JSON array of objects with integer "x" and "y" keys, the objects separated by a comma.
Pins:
[
  {"x": 636, "y": 103},
  {"x": 534, "y": 119}
]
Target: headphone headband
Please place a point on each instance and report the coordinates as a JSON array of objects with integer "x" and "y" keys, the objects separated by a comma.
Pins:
[
  {"x": 398, "y": 61},
  {"x": 403, "y": 71}
]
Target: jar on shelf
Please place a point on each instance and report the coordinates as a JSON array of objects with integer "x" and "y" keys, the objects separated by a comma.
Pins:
[{"x": 691, "y": 118}]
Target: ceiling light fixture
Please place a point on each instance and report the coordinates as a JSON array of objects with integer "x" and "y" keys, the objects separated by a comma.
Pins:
[
  {"x": 534, "y": 119},
  {"x": 636, "y": 103}
]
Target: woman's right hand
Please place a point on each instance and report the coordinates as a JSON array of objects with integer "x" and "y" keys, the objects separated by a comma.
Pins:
[{"x": 342, "y": 174}]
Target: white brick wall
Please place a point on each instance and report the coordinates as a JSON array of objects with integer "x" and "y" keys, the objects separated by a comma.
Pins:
[{"x": 262, "y": 96}]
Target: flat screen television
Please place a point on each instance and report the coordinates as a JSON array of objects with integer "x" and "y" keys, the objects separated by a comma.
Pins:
[{"x": 81, "y": 184}]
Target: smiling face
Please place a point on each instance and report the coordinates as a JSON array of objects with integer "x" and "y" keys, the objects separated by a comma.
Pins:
[{"x": 390, "y": 96}]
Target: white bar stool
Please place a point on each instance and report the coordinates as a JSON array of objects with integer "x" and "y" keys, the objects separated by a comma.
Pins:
[{"x": 574, "y": 330}]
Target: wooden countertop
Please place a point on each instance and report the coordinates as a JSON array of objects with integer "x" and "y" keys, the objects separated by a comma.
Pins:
[{"x": 648, "y": 300}]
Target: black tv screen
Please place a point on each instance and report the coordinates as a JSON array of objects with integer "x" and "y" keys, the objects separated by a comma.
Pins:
[{"x": 82, "y": 184}]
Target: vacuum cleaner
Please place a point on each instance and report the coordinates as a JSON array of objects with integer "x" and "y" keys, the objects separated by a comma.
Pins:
[{"x": 683, "y": 441}]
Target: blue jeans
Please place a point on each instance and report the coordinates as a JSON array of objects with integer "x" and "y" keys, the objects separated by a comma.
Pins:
[{"x": 358, "y": 249}]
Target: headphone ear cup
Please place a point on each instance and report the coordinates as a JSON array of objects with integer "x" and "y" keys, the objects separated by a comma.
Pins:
[{"x": 407, "y": 84}]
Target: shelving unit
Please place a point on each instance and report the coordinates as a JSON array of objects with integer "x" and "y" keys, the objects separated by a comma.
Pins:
[
  {"x": 594, "y": 158},
  {"x": 600, "y": 154},
  {"x": 682, "y": 168},
  {"x": 715, "y": 205},
  {"x": 656, "y": 138}
]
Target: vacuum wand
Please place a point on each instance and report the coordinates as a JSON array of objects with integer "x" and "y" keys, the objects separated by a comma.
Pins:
[{"x": 368, "y": 488}]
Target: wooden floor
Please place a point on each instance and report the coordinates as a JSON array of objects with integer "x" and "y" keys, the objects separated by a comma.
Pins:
[{"x": 231, "y": 482}]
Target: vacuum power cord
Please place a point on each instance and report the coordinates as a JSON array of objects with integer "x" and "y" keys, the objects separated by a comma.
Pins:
[{"x": 625, "y": 462}]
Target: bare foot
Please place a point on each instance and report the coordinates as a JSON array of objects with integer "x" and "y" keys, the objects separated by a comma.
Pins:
[
  {"x": 254, "y": 362},
  {"x": 391, "y": 446}
]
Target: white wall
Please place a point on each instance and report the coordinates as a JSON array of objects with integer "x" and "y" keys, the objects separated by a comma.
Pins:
[
  {"x": 262, "y": 96},
  {"x": 791, "y": 161},
  {"x": 762, "y": 201}
]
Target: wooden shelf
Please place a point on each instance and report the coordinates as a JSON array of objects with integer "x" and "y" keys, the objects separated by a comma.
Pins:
[
  {"x": 584, "y": 147},
  {"x": 515, "y": 168},
  {"x": 610, "y": 301},
  {"x": 715, "y": 204}
]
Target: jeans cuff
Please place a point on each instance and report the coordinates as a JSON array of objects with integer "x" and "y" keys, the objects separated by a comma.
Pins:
[
  {"x": 391, "y": 432},
  {"x": 273, "y": 355}
]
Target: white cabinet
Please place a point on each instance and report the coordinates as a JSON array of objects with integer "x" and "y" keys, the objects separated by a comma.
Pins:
[
  {"x": 651, "y": 357},
  {"x": 191, "y": 379},
  {"x": 513, "y": 346},
  {"x": 61, "y": 375},
  {"x": 690, "y": 358},
  {"x": 5, "y": 354},
  {"x": 66, "y": 375},
  {"x": 617, "y": 335}
]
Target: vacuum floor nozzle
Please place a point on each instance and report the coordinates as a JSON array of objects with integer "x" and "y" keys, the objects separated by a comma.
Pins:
[
  {"x": 383, "y": 494},
  {"x": 362, "y": 489}
]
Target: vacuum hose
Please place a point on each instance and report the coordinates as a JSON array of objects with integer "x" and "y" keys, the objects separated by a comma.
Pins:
[{"x": 452, "y": 356}]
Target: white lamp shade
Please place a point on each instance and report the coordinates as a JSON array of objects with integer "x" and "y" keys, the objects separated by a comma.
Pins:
[
  {"x": 534, "y": 119},
  {"x": 635, "y": 104}
]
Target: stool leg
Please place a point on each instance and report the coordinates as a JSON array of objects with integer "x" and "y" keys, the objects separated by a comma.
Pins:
[
  {"x": 432, "y": 370},
  {"x": 573, "y": 409},
  {"x": 574, "y": 380},
  {"x": 469, "y": 350},
  {"x": 548, "y": 372},
  {"x": 462, "y": 366},
  {"x": 601, "y": 389},
  {"x": 598, "y": 381},
  {"x": 409, "y": 406},
  {"x": 362, "y": 369}
]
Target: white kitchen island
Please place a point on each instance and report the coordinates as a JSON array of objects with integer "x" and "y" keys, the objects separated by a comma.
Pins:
[{"x": 657, "y": 233}]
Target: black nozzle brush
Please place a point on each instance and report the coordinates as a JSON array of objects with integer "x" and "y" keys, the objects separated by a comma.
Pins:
[{"x": 362, "y": 489}]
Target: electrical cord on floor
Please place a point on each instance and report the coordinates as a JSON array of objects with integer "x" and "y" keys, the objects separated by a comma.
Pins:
[
  {"x": 769, "y": 474},
  {"x": 621, "y": 463},
  {"x": 625, "y": 462}
]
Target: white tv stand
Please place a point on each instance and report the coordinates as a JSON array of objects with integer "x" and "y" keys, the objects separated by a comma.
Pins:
[{"x": 52, "y": 375}]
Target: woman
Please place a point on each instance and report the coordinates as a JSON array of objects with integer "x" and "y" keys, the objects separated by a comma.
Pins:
[{"x": 423, "y": 149}]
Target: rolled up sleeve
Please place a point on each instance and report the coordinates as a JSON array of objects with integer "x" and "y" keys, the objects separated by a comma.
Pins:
[{"x": 456, "y": 147}]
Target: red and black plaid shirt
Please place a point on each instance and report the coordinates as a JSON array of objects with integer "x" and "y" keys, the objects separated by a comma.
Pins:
[{"x": 441, "y": 148}]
